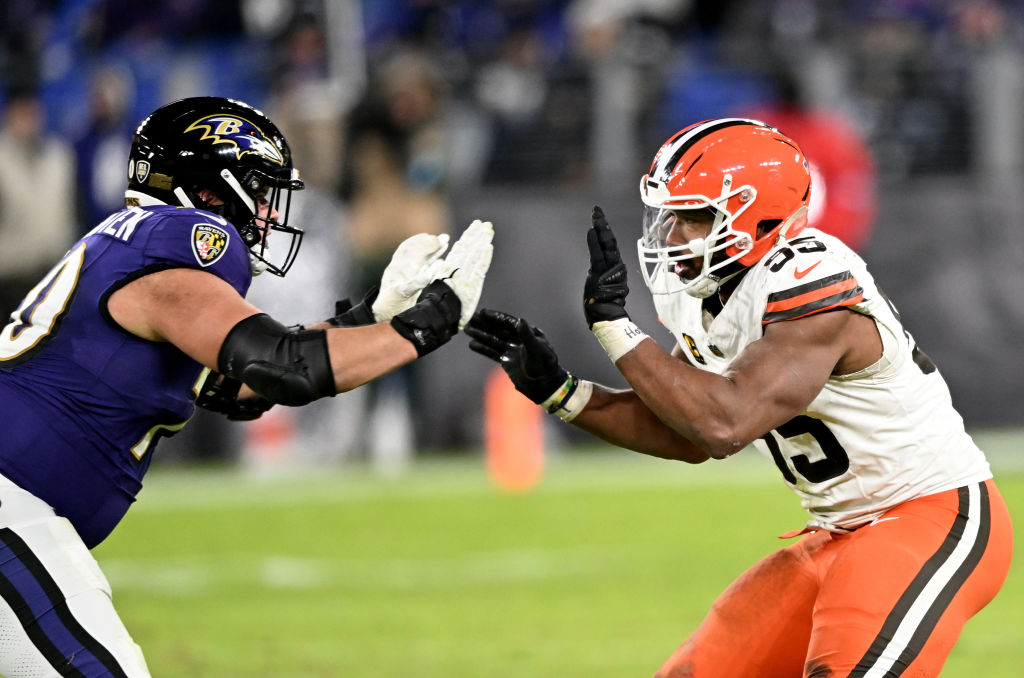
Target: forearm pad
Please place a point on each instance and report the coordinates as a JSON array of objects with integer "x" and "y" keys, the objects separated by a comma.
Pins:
[{"x": 287, "y": 367}]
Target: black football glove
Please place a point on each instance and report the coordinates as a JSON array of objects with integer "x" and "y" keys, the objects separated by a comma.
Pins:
[
  {"x": 347, "y": 315},
  {"x": 522, "y": 351},
  {"x": 433, "y": 320},
  {"x": 604, "y": 293},
  {"x": 220, "y": 394}
]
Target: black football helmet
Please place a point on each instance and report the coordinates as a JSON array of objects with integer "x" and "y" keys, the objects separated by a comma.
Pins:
[{"x": 229, "y": 148}]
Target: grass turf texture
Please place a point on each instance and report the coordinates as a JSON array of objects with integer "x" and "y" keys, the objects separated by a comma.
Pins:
[{"x": 599, "y": 571}]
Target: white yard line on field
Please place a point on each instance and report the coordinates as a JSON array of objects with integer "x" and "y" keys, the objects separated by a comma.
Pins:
[{"x": 198, "y": 576}]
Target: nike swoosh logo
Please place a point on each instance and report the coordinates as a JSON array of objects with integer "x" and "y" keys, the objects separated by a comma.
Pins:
[
  {"x": 882, "y": 520},
  {"x": 797, "y": 273}
]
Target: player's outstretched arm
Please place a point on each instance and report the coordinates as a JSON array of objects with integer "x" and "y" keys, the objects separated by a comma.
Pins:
[
  {"x": 770, "y": 382},
  {"x": 208, "y": 320},
  {"x": 530, "y": 361}
]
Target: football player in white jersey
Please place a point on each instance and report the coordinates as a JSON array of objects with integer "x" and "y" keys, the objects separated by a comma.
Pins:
[{"x": 784, "y": 341}]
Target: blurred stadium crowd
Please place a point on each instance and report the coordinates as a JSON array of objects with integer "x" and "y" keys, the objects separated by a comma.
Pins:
[{"x": 417, "y": 115}]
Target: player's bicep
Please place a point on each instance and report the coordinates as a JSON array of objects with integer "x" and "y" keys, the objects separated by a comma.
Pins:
[
  {"x": 786, "y": 369},
  {"x": 192, "y": 309}
]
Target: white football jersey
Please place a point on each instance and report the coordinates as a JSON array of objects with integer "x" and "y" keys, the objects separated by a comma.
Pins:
[{"x": 869, "y": 440}]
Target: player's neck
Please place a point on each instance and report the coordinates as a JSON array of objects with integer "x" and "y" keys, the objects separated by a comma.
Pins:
[{"x": 729, "y": 286}]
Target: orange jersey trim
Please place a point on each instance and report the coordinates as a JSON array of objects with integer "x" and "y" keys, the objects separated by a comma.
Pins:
[{"x": 835, "y": 291}]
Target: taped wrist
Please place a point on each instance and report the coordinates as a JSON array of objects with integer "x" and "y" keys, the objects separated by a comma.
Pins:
[
  {"x": 287, "y": 367},
  {"x": 570, "y": 398},
  {"x": 433, "y": 320},
  {"x": 618, "y": 337}
]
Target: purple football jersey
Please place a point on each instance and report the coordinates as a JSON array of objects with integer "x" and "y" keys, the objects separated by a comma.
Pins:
[{"x": 83, "y": 400}]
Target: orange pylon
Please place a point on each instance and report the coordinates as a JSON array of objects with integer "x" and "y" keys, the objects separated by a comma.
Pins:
[{"x": 513, "y": 435}]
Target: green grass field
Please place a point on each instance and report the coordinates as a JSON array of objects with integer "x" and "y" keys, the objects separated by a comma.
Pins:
[{"x": 599, "y": 571}]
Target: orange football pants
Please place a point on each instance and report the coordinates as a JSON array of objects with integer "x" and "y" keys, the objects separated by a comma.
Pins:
[{"x": 888, "y": 599}]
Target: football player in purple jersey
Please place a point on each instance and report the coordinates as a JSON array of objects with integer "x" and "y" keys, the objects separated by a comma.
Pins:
[{"x": 144, "y": 318}]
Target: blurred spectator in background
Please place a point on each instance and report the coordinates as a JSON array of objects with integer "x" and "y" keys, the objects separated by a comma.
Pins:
[
  {"x": 385, "y": 206},
  {"x": 310, "y": 93},
  {"x": 102, "y": 147},
  {"x": 325, "y": 431},
  {"x": 539, "y": 103},
  {"x": 112, "y": 20},
  {"x": 445, "y": 142},
  {"x": 844, "y": 198},
  {"x": 37, "y": 216},
  {"x": 303, "y": 97},
  {"x": 626, "y": 48}
]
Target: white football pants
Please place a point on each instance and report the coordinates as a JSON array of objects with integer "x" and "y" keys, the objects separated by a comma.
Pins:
[{"x": 56, "y": 613}]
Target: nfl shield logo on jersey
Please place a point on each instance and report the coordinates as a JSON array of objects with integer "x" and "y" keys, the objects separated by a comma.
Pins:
[{"x": 209, "y": 242}]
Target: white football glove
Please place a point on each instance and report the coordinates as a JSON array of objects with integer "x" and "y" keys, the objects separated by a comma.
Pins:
[
  {"x": 415, "y": 263},
  {"x": 466, "y": 266}
]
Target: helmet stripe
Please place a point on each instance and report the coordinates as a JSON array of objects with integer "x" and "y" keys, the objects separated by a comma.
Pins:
[{"x": 683, "y": 143}]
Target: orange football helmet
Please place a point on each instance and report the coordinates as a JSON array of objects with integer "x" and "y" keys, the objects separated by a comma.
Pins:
[{"x": 756, "y": 180}]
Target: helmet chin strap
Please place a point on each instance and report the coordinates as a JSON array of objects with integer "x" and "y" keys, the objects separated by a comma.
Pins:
[
  {"x": 257, "y": 264},
  {"x": 182, "y": 197},
  {"x": 231, "y": 181},
  {"x": 794, "y": 218},
  {"x": 711, "y": 284}
]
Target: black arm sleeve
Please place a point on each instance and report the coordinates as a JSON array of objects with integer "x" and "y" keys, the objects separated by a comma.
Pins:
[{"x": 287, "y": 367}]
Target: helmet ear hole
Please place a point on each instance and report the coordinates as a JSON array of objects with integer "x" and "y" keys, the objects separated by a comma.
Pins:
[{"x": 766, "y": 225}]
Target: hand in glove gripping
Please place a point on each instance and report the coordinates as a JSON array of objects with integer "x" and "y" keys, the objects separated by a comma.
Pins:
[
  {"x": 604, "y": 293},
  {"x": 432, "y": 320},
  {"x": 415, "y": 263},
  {"x": 522, "y": 351},
  {"x": 220, "y": 394},
  {"x": 466, "y": 266}
]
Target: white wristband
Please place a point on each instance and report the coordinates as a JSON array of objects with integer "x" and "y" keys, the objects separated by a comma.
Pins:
[
  {"x": 570, "y": 399},
  {"x": 618, "y": 337}
]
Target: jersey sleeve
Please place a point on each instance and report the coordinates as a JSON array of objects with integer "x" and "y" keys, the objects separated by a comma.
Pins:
[
  {"x": 808, "y": 277},
  {"x": 189, "y": 238}
]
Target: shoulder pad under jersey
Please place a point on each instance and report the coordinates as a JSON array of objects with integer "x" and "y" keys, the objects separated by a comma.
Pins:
[
  {"x": 807, "y": 275},
  {"x": 192, "y": 238}
]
